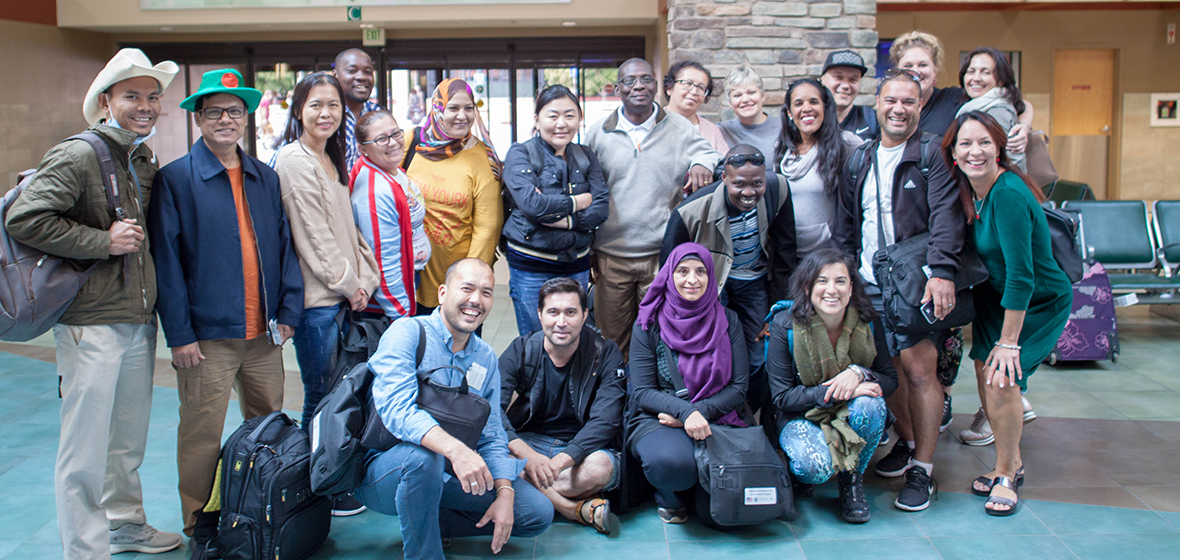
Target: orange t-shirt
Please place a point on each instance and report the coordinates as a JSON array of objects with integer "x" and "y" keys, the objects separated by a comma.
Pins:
[{"x": 255, "y": 321}]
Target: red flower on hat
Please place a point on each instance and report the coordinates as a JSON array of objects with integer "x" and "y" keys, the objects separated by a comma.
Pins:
[{"x": 229, "y": 80}]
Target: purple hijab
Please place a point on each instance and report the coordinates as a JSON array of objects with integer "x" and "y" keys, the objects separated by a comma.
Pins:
[{"x": 696, "y": 330}]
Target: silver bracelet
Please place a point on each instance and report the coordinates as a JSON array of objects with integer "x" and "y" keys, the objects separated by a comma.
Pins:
[{"x": 1008, "y": 346}]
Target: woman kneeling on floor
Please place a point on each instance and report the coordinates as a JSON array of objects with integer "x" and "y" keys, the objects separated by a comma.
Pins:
[
  {"x": 829, "y": 371},
  {"x": 684, "y": 331}
]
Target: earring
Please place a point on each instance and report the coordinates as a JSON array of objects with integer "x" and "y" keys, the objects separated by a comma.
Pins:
[
  {"x": 997, "y": 159},
  {"x": 956, "y": 163}
]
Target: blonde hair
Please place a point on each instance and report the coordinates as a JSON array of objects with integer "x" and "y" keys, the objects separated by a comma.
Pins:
[
  {"x": 743, "y": 75},
  {"x": 918, "y": 39}
]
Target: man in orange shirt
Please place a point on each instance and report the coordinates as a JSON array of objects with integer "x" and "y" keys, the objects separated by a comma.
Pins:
[{"x": 229, "y": 282}]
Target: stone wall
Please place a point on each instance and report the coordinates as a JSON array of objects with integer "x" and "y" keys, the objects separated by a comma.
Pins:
[{"x": 781, "y": 40}]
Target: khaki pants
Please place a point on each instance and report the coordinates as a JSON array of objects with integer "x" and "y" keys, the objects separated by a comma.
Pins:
[
  {"x": 106, "y": 388},
  {"x": 619, "y": 285},
  {"x": 253, "y": 368}
]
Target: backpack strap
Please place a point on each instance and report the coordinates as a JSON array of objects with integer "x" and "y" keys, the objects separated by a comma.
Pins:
[
  {"x": 579, "y": 159},
  {"x": 106, "y": 165},
  {"x": 412, "y": 148},
  {"x": 772, "y": 196},
  {"x": 536, "y": 157},
  {"x": 530, "y": 363},
  {"x": 856, "y": 162},
  {"x": 927, "y": 150},
  {"x": 421, "y": 351}
]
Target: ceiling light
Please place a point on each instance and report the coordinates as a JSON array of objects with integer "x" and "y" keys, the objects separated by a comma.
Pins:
[{"x": 569, "y": 23}]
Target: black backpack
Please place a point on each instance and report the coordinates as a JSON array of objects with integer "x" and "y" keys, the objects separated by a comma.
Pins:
[
  {"x": 268, "y": 510},
  {"x": 859, "y": 161},
  {"x": 338, "y": 429}
]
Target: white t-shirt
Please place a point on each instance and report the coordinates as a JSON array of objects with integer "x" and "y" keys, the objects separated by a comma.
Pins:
[{"x": 887, "y": 159}]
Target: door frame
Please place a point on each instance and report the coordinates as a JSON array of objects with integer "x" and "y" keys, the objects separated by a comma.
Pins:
[{"x": 1114, "y": 154}]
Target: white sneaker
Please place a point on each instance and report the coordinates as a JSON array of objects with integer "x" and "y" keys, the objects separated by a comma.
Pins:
[
  {"x": 141, "y": 537},
  {"x": 980, "y": 432},
  {"x": 1029, "y": 413}
]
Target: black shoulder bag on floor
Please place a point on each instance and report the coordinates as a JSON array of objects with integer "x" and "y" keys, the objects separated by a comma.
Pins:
[
  {"x": 899, "y": 270},
  {"x": 746, "y": 480}
]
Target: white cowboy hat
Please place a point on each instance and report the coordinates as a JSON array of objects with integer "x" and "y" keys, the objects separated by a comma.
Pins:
[{"x": 127, "y": 63}]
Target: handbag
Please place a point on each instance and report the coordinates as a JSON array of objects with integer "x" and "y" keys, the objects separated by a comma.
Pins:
[
  {"x": 901, "y": 275},
  {"x": 1037, "y": 161},
  {"x": 1064, "y": 226},
  {"x": 458, "y": 411},
  {"x": 746, "y": 480}
]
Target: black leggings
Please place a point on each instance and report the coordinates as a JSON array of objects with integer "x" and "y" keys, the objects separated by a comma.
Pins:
[{"x": 670, "y": 466}]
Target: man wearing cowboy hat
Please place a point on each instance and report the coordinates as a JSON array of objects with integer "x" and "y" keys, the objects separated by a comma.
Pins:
[
  {"x": 230, "y": 287},
  {"x": 106, "y": 340}
]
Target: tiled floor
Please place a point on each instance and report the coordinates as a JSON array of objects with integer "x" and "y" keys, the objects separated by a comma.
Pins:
[{"x": 1103, "y": 481}]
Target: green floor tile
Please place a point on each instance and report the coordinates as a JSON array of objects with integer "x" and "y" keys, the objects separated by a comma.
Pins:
[
  {"x": 599, "y": 551},
  {"x": 481, "y": 547},
  {"x": 1142, "y": 404},
  {"x": 22, "y": 515},
  {"x": 28, "y": 439},
  {"x": 1007, "y": 547},
  {"x": 1072, "y": 405},
  {"x": 1091, "y": 381},
  {"x": 756, "y": 550},
  {"x": 1078, "y": 519},
  {"x": 819, "y": 518},
  {"x": 1106, "y": 547},
  {"x": 335, "y": 548},
  {"x": 876, "y": 549},
  {"x": 955, "y": 515},
  {"x": 367, "y": 527},
  {"x": 641, "y": 524},
  {"x": 30, "y": 550},
  {"x": 8, "y": 546},
  {"x": 34, "y": 475},
  {"x": 693, "y": 531}
]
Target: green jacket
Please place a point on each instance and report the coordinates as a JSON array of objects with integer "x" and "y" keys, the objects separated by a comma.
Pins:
[{"x": 64, "y": 212}]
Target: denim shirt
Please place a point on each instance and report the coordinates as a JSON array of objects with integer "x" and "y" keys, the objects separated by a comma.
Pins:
[{"x": 395, "y": 385}]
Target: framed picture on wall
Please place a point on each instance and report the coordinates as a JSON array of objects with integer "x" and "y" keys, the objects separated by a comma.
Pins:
[{"x": 1164, "y": 110}]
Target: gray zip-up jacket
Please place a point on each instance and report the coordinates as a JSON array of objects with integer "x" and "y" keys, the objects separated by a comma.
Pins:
[{"x": 645, "y": 183}]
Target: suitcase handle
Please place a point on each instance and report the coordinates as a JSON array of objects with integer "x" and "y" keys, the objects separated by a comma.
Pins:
[{"x": 276, "y": 415}]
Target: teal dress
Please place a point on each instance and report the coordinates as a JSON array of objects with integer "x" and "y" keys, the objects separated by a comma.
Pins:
[{"x": 1012, "y": 238}]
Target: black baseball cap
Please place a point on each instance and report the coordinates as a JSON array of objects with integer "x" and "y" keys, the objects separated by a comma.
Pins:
[{"x": 845, "y": 58}]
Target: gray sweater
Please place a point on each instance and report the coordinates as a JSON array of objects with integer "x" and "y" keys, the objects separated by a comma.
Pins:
[
  {"x": 645, "y": 183},
  {"x": 762, "y": 136}
]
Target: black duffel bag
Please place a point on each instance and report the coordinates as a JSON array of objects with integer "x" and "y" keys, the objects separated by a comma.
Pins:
[
  {"x": 901, "y": 275},
  {"x": 744, "y": 476}
]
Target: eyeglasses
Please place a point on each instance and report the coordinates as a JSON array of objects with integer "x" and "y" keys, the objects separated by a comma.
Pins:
[
  {"x": 214, "y": 113},
  {"x": 646, "y": 80},
  {"x": 895, "y": 72},
  {"x": 692, "y": 86},
  {"x": 741, "y": 160},
  {"x": 383, "y": 141}
]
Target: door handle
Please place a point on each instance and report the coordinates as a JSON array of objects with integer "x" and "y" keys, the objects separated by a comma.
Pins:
[{"x": 1105, "y": 129}]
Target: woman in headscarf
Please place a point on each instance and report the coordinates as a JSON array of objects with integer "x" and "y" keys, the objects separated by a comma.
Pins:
[
  {"x": 451, "y": 158},
  {"x": 829, "y": 371},
  {"x": 684, "y": 334}
]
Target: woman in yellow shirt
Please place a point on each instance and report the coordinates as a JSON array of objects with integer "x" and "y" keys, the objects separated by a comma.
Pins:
[{"x": 452, "y": 160}]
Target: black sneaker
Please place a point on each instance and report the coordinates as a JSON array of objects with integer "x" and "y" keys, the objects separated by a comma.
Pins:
[
  {"x": 895, "y": 463},
  {"x": 347, "y": 506},
  {"x": 915, "y": 495},
  {"x": 946, "y": 414},
  {"x": 854, "y": 506}
]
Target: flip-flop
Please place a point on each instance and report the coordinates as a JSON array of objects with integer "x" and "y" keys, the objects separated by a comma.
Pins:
[
  {"x": 999, "y": 500},
  {"x": 985, "y": 481},
  {"x": 599, "y": 514}
]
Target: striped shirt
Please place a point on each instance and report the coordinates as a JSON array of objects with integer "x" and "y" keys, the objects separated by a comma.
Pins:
[{"x": 749, "y": 261}]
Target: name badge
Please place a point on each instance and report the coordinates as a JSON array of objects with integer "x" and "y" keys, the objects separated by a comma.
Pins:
[{"x": 476, "y": 375}]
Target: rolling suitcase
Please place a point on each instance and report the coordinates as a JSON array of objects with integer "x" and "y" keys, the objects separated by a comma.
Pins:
[{"x": 1092, "y": 332}]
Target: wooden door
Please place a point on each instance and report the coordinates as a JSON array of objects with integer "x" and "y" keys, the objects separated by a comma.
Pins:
[{"x": 1083, "y": 115}]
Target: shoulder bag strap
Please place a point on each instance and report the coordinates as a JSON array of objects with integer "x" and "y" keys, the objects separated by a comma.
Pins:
[
  {"x": 772, "y": 196},
  {"x": 110, "y": 180},
  {"x": 421, "y": 351},
  {"x": 880, "y": 217},
  {"x": 412, "y": 149}
]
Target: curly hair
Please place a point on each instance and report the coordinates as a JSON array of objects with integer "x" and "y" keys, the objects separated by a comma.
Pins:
[
  {"x": 803, "y": 282},
  {"x": 918, "y": 39},
  {"x": 674, "y": 74}
]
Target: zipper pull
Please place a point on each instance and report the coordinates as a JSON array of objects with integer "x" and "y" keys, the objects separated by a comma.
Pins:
[
  {"x": 268, "y": 513},
  {"x": 284, "y": 498}
]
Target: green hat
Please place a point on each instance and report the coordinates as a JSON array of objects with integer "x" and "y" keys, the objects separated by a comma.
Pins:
[{"x": 226, "y": 80}]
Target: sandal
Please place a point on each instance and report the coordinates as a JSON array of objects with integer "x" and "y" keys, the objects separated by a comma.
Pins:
[
  {"x": 998, "y": 500},
  {"x": 594, "y": 512},
  {"x": 985, "y": 481}
]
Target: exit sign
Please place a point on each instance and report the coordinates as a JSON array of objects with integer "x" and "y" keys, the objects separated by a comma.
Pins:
[{"x": 374, "y": 37}]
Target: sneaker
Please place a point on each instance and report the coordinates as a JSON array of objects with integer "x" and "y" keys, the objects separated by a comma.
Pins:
[
  {"x": 915, "y": 495},
  {"x": 946, "y": 414},
  {"x": 980, "y": 432},
  {"x": 347, "y": 506},
  {"x": 884, "y": 439},
  {"x": 674, "y": 516},
  {"x": 141, "y": 537},
  {"x": 896, "y": 462},
  {"x": 1029, "y": 413},
  {"x": 854, "y": 506}
]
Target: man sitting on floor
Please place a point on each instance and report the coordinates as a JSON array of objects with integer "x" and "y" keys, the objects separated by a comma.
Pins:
[{"x": 565, "y": 421}]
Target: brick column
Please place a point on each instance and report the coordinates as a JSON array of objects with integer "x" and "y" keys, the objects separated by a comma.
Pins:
[{"x": 781, "y": 40}]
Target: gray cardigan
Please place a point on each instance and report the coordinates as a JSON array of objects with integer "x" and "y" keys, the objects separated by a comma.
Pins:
[{"x": 645, "y": 182}]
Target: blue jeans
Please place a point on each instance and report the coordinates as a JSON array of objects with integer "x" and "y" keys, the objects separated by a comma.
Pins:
[
  {"x": 408, "y": 481},
  {"x": 550, "y": 447},
  {"x": 315, "y": 342},
  {"x": 804, "y": 442},
  {"x": 525, "y": 289}
]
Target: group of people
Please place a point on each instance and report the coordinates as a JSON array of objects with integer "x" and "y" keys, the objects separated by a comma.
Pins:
[{"x": 735, "y": 261}]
